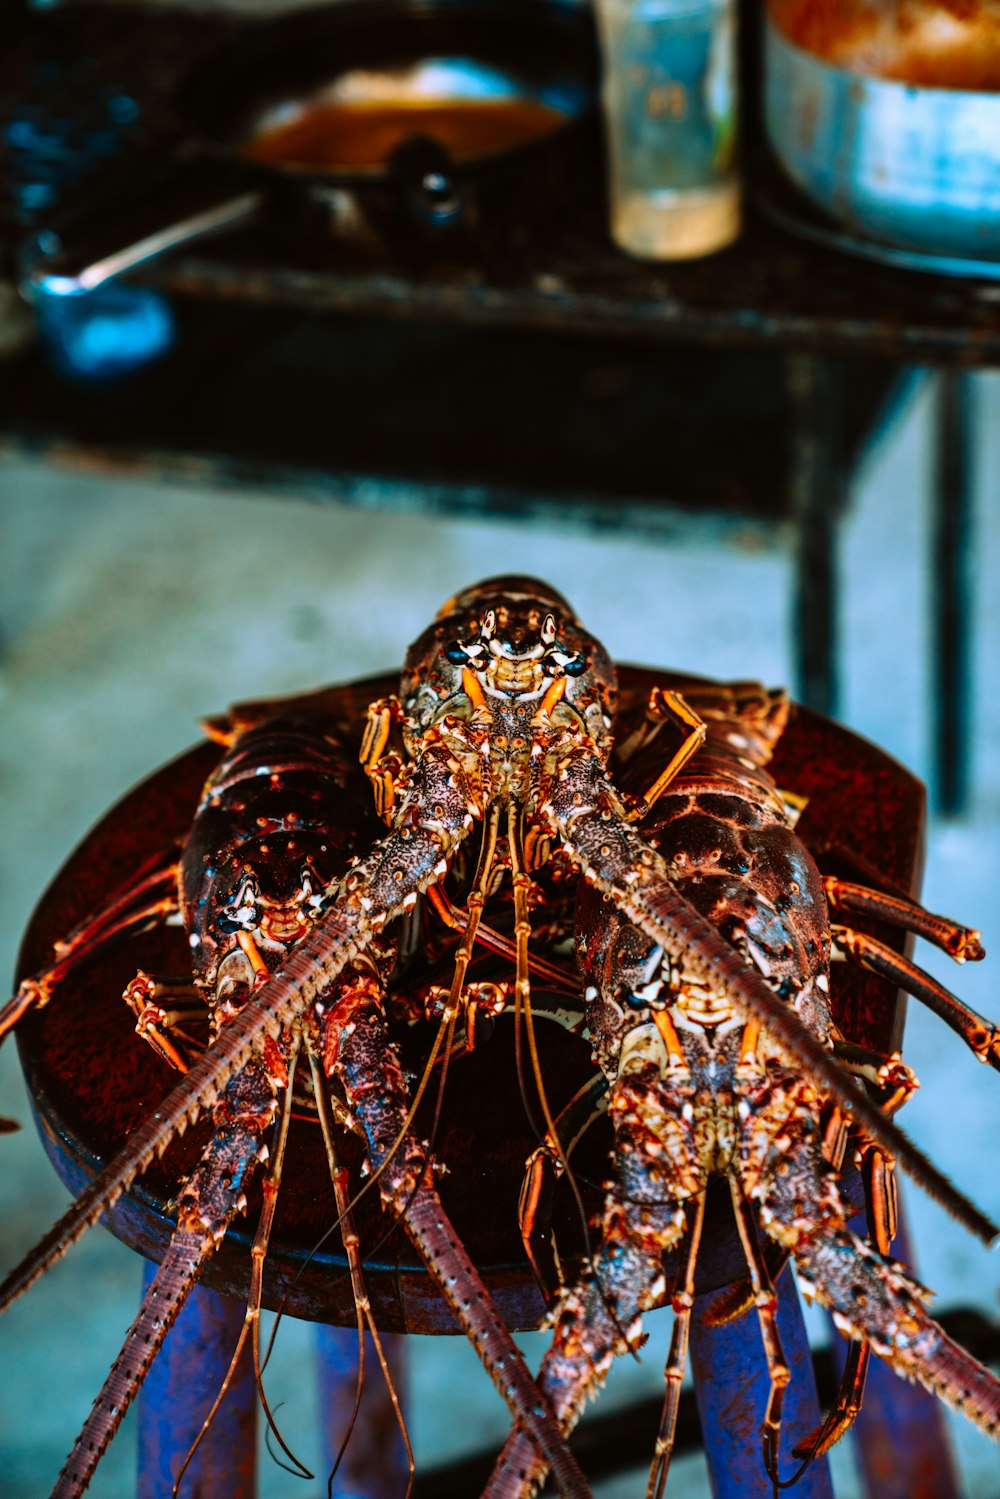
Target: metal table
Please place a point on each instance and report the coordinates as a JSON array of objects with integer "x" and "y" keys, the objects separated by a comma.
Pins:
[{"x": 831, "y": 329}]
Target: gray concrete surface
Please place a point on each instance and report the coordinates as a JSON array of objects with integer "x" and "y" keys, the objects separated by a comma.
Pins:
[{"x": 128, "y": 610}]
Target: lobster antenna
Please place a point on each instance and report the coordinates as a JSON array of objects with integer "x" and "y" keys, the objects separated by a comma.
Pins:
[
  {"x": 338, "y": 1176},
  {"x": 522, "y": 1004},
  {"x": 251, "y": 1318},
  {"x": 164, "y": 1299},
  {"x": 282, "y": 999}
]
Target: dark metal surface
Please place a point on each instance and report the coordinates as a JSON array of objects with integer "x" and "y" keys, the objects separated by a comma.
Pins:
[
  {"x": 547, "y": 427},
  {"x": 817, "y": 484},
  {"x": 950, "y": 572}
]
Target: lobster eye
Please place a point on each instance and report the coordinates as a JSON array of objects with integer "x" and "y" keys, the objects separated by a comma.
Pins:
[
  {"x": 456, "y": 654},
  {"x": 575, "y": 666},
  {"x": 241, "y": 912}
]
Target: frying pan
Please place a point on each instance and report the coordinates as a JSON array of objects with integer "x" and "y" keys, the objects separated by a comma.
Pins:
[{"x": 429, "y": 60}]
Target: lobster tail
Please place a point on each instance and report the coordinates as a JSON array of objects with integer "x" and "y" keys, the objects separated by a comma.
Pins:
[{"x": 874, "y": 1298}]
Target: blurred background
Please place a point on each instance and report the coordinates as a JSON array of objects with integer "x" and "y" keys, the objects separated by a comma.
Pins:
[{"x": 247, "y": 474}]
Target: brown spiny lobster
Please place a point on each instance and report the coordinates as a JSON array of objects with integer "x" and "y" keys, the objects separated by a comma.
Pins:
[
  {"x": 277, "y": 823},
  {"x": 506, "y": 716},
  {"x": 698, "y": 1090}
]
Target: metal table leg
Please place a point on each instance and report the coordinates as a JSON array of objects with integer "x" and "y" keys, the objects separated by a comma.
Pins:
[
  {"x": 951, "y": 585},
  {"x": 178, "y": 1394},
  {"x": 817, "y": 492},
  {"x": 374, "y": 1466},
  {"x": 731, "y": 1384}
]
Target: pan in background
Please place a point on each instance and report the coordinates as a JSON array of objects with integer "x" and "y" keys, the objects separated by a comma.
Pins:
[{"x": 389, "y": 120}]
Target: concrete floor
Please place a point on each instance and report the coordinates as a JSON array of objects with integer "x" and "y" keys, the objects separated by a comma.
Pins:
[{"x": 128, "y": 610}]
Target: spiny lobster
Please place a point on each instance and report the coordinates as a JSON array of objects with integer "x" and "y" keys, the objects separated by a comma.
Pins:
[
  {"x": 697, "y": 1090},
  {"x": 278, "y": 821},
  {"x": 505, "y": 716}
]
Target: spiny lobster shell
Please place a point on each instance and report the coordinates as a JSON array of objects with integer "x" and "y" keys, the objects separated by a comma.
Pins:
[{"x": 86, "y": 1106}]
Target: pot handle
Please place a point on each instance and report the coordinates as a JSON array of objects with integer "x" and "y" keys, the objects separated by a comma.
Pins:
[
  {"x": 139, "y": 215},
  {"x": 426, "y": 179}
]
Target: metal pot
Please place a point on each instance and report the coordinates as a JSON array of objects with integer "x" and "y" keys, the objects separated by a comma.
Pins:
[
  {"x": 901, "y": 164},
  {"x": 441, "y": 63}
]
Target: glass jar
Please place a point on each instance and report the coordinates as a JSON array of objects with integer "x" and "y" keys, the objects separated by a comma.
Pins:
[{"x": 669, "y": 95}]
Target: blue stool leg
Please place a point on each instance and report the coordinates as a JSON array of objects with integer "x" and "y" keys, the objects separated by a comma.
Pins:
[
  {"x": 731, "y": 1385},
  {"x": 374, "y": 1465},
  {"x": 178, "y": 1394}
]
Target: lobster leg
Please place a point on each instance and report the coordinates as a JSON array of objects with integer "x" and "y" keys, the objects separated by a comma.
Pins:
[
  {"x": 980, "y": 1035},
  {"x": 960, "y": 942},
  {"x": 670, "y": 706},
  {"x": 682, "y": 1301},
  {"x": 149, "y": 898},
  {"x": 212, "y": 1196},
  {"x": 352, "y": 1249},
  {"x": 358, "y": 1051},
  {"x": 170, "y": 1015},
  {"x": 767, "y": 1309},
  {"x": 870, "y": 1296},
  {"x": 880, "y": 1205}
]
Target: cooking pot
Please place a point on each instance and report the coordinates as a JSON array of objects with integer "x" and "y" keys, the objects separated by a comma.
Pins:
[
  {"x": 391, "y": 120},
  {"x": 894, "y": 163}
]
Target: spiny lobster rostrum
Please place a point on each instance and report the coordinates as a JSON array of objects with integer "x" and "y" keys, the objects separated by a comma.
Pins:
[{"x": 704, "y": 932}]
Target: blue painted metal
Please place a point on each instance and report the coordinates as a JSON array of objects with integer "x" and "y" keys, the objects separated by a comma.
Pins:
[
  {"x": 731, "y": 1385},
  {"x": 374, "y": 1465},
  {"x": 177, "y": 1396}
]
